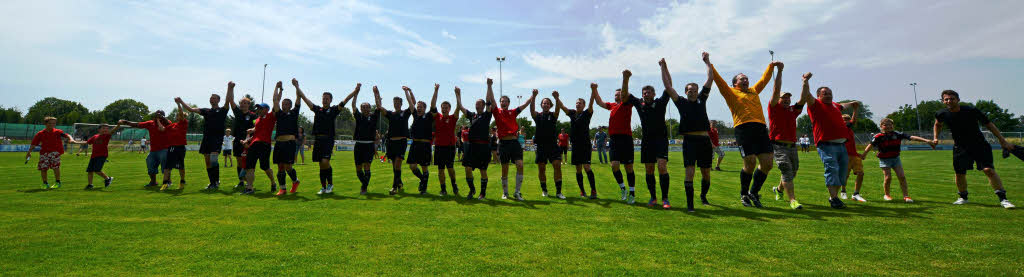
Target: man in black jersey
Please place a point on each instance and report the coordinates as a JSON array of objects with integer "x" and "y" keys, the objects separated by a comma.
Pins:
[
  {"x": 213, "y": 133},
  {"x": 285, "y": 140},
  {"x": 694, "y": 127},
  {"x": 365, "y": 134},
  {"x": 654, "y": 143},
  {"x": 546, "y": 140},
  {"x": 970, "y": 149},
  {"x": 323, "y": 134},
  {"x": 579, "y": 137},
  {"x": 398, "y": 135},
  {"x": 422, "y": 136},
  {"x": 243, "y": 121},
  {"x": 478, "y": 153}
]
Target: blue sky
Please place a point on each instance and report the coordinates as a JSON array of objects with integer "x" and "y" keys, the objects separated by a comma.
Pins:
[{"x": 96, "y": 52}]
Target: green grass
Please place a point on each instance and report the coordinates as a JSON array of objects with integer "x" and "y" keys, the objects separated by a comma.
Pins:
[{"x": 128, "y": 230}]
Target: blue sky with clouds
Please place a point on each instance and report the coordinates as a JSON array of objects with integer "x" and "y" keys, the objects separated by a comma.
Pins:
[{"x": 96, "y": 52}]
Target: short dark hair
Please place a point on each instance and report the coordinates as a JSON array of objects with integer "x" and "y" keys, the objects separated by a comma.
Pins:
[
  {"x": 329, "y": 94},
  {"x": 505, "y": 97},
  {"x": 691, "y": 84},
  {"x": 821, "y": 88},
  {"x": 736, "y": 78},
  {"x": 951, "y": 92},
  {"x": 397, "y": 98},
  {"x": 647, "y": 87}
]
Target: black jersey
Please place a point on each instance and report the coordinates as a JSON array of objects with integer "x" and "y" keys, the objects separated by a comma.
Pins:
[
  {"x": 323, "y": 120},
  {"x": 693, "y": 116},
  {"x": 479, "y": 124},
  {"x": 242, "y": 123},
  {"x": 366, "y": 126},
  {"x": 579, "y": 126},
  {"x": 423, "y": 126},
  {"x": 288, "y": 121},
  {"x": 545, "y": 133},
  {"x": 213, "y": 121},
  {"x": 398, "y": 122},
  {"x": 652, "y": 116}
]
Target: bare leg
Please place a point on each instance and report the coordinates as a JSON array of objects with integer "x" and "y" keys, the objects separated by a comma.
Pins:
[{"x": 887, "y": 180}]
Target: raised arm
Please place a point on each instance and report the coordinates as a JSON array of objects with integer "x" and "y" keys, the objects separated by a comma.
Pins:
[
  {"x": 490, "y": 95},
  {"x": 597, "y": 96},
  {"x": 278, "y": 93},
  {"x": 558, "y": 103},
  {"x": 354, "y": 97},
  {"x": 724, "y": 88},
  {"x": 666, "y": 79},
  {"x": 593, "y": 88},
  {"x": 409, "y": 97},
  {"x": 554, "y": 93},
  {"x": 376, "y": 96},
  {"x": 855, "y": 105},
  {"x": 433, "y": 99},
  {"x": 181, "y": 103},
  {"x": 533, "y": 107},
  {"x": 805, "y": 92},
  {"x": 765, "y": 77},
  {"x": 458, "y": 101},
  {"x": 229, "y": 99},
  {"x": 350, "y": 95},
  {"x": 625, "y": 81},
  {"x": 777, "y": 86},
  {"x": 302, "y": 97},
  {"x": 528, "y": 101}
]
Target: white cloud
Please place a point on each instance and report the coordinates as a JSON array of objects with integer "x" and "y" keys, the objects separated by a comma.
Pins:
[
  {"x": 543, "y": 82},
  {"x": 446, "y": 34}
]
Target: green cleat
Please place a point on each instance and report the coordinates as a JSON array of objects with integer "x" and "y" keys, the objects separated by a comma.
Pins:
[
  {"x": 46, "y": 186},
  {"x": 795, "y": 205},
  {"x": 55, "y": 185},
  {"x": 778, "y": 193}
]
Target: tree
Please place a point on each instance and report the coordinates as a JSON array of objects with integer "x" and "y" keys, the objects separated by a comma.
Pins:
[
  {"x": 344, "y": 124},
  {"x": 803, "y": 125},
  {"x": 195, "y": 121},
  {"x": 638, "y": 132},
  {"x": 10, "y": 115},
  {"x": 526, "y": 126},
  {"x": 127, "y": 109},
  {"x": 905, "y": 117},
  {"x": 1000, "y": 117},
  {"x": 673, "y": 128},
  {"x": 66, "y": 112}
]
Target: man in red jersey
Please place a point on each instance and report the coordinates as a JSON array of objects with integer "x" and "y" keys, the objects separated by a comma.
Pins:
[
  {"x": 52, "y": 148},
  {"x": 782, "y": 131},
  {"x": 830, "y": 136},
  {"x": 509, "y": 150},
  {"x": 259, "y": 151},
  {"x": 157, "y": 158},
  {"x": 445, "y": 143},
  {"x": 176, "y": 138},
  {"x": 621, "y": 135}
]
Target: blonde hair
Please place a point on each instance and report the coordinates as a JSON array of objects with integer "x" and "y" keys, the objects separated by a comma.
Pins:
[
  {"x": 48, "y": 118},
  {"x": 884, "y": 120}
]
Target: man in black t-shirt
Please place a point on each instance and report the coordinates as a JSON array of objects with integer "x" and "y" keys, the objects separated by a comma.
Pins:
[
  {"x": 323, "y": 134},
  {"x": 478, "y": 152},
  {"x": 398, "y": 135},
  {"x": 286, "y": 139},
  {"x": 579, "y": 137},
  {"x": 546, "y": 140},
  {"x": 654, "y": 143},
  {"x": 213, "y": 132},
  {"x": 243, "y": 121},
  {"x": 969, "y": 145},
  {"x": 365, "y": 135},
  {"x": 694, "y": 127},
  {"x": 422, "y": 134}
]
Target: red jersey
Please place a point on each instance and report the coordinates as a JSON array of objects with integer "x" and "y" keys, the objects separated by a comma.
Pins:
[
  {"x": 50, "y": 140},
  {"x": 828, "y": 121},
  {"x": 465, "y": 135},
  {"x": 99, "y": 145},
  {"x": 563, "y": 139},
  {"x": 264, "y": 128},
  {"x": 505, "y": 120},
  {"x": 782, "y": 122},
  {"x": 851, "y": 143},
  {"x": 157, "y": 139},
  {"x": 176, "y": 133},
  {"x": 619, "y": 120},
  {"x": 444, "y": 129},
  {"x": 713, "y": 133}
]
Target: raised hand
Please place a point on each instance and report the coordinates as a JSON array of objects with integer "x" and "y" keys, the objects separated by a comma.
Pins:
[
  {"x": 375, "y": 91},
  {"x": 358, "y": 85},
  {"x": 807, "y": 76},
  {"x": 535, "y": 92},
  {"x": 231, "y": 85},
  {"x": 458, "y": 91},
  {"x": 436, "y": 86},
  {"x": 626, "y": 73},
  {"x": 778, "y": 64},
  {"x": 662, "y": 62},
  {"x": 593, "y": 85},
  {"x": 405, "y": 88},
  {"x": 490, "y": 81},
  {"x": 554, "y": 93},
  {"x": 704, "y": 56}
]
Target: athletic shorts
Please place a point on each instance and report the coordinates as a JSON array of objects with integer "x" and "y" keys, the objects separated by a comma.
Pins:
[
  {"x": 653, "y": 149},
  {"x": 509, "y": 151},
  {"x": 893, "y": 162},
  {"x": 478, "y": 156},
  {"x": 697, "y": 151},
  {"x": 565, "y": 149},
  {"x": 96, "y": 164},
  {"x": 396, "y": 148},
  {"x": 787, "y": 159},
  {"x": 718, "y": 151},
  {"x": 210, "y": 144},
  {"x": 461, "y": 147},
  {"x": 444, "y": 156},
  {"x": 580, "y": 153},
  {"x": 284, "y": 152},
  {"x": 363, "y": 153},
  {"x": 621, "y": 149},
  {"x": 753, "y": 139},
  {"x": 856, "y": 165},
  {"x": 156, "y": 161},
  {"x": 226, "y": 152},
  {"x": 323, "y": 148},
  {"x": 238, "y": 147},
  {"x": 258, "y": 152},
  {"x": 547, "y": 153},
  {"x": 970, "y": 157},
  {"x": 419, "y": 153},
  {"x": 176, "y": 157},
  {"x": 48, "y": 160}
]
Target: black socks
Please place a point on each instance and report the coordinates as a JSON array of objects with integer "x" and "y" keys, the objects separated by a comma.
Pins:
[
  {"x": 293, "y": 175},
  {"x": 663, "y": 181},
  {"x": 579, "y": 182},
  {"x": 280, "y": 178},
  {"x": 759, "y": 178},
  {"x": 1000, "y": 193},
  {"x": 590, "y": 177},
  {"x": 650, "y": 187},
  {"x": 483, "y": 186},
  {"x": 705, "y": 186},
  {"x": 963, "y": 194},
  {"x": 745, "y": 182},
  {"x": 689, "y": 195},
  {"x": 558, "y": 186},
  {"x": 618, "y": 177},
  {"x": 631, "y": 178}
]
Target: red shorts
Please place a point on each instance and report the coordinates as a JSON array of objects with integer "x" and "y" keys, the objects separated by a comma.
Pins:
[{"x": 49, "y": 160}]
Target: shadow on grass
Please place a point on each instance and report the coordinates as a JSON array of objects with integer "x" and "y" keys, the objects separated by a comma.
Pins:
[
  {"x": 811, "y": 211},
  {"x": 33, "y": 190}
]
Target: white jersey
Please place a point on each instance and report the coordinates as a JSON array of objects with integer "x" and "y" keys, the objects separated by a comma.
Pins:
[
  {"x": 142, "y": 141},
  {"x": 229, "y": 142}
]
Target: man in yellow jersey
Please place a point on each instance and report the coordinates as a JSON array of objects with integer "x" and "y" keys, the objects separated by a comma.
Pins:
[{"x": 751, "y": 130}]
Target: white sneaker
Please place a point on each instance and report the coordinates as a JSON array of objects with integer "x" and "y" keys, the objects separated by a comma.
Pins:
[
  {"x": 321, "y": 192},
  {"x": 887, "y": 198},
  {"x": 961, "y": 201},
  {"x": 859, "y": 198},
  {"x": 560, "y": 196},
  {"x": 624, "y": 193},
  {"x": 330, "y": 189},
  {"x": 1007, "y": 204},
  {"x": 504, "y": 196},
  {"x": 544, "y": 194},
  {"x": 842, "y": 195}
]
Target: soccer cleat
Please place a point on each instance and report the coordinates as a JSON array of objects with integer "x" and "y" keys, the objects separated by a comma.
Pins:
[
  {"x": 907, "y": 199},
  {"x": 362, "y": 192},
  {"x": 47, "y": 186},
  {"x": 88, "y": 187},
  {"x": 624, "y": 193},
  {"x": 106, "y": 183},
  {"x": 746, "y": 201},
  {"x": 593, "y": 195},
  {"x": 960, "y": 201},
  {"x": 470, "y": 195},
  {"x": 704, "y": 201},
  {"x": 856, "y": 196},
  {"x": 544, "y": 194},
  {"x": 560, "y": 196},
  {"x": 778, "y": 193},
  {"x": 583, "y": 194},
  {"x": 518, "y": 196},
  {"x": 273, "y": 187},
  {"x": 887, "y": 198},
  {"x": 652, "y": 202},
  {"x": 150, "y": 185},
  {"x": 836, "y": 203},
  {"x": 718, "y": 168},
  {"x": 281, "y": 192},
  {"x": 295, "y": 186},
  {"x": 482, "y": 196},
  {"x": 756, "y": 200},
  {"x": 842, "y": 195},
  {"x": 55, "y": 185},
  {"x": 321, "y": 192},
  {"x": 209, "y": 187},
  {"x": 248, "y": 191},
  {"x": 163, "y": 187},
  {"x": 330, "y": 189},
  {"x": 1006, "y": 204},
  {"x": 795, "y": 205},
  {"x": 666, "y": 205},
  {"x": 240, "y": 185},
  {"x": 504, "y": 196},
  {"x": 443, "y": 193},
  {"x": 393, "y": 191},
  {"x": 631, "y": 199}
]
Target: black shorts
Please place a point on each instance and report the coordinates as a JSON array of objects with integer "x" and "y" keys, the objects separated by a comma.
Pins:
[
  {"x": 323, "y": 148},
  {"x": 363, "y": 153},
  {"x": 970, "y": 157},
  {"x": 444, "y": 156},
  {"x": 461, "y": 147},
  {"x": 547, "y": 153},
  {"x": 697, "y": 150},
  {"x": 478, "y": 156},
  {"x": 753, "y": 139},
  {"x": 237, "y": 147},
  {"x": 176, "y": 157},
  {"x": 419, "y": 153},
  {"x": 510, "y": 151},
  {"x": 258, "y": 152},
  {"x": 621, "y": 149},
  {"x": 284, "y": 152},
  {"x": 226, "y": 152},
  {"x": 653, "y": 149},
  {"x": 565, "y": 149},
  {"x": 210, "y": 144},
  {"x": 580, "y": 153},
  {"x": 396, "y": 148},
  {"x": 96, "y": 164}
]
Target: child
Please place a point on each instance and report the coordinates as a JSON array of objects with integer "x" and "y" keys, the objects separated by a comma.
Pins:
[
  {"x": 228, "y": 148},
  {"x": 52, "y": 148},
  {"x": 888, "y": 143},
  {"x": 99, "y": 154}
]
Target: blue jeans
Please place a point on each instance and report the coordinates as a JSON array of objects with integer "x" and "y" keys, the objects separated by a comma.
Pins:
[
  {"x": 836, "y": 161},
  {"x": 156, "y": 159},
  {"x": 602, "y": 154}
]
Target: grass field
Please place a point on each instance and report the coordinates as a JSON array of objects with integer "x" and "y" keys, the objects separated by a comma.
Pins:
[{"x": 128, "y": 230}]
